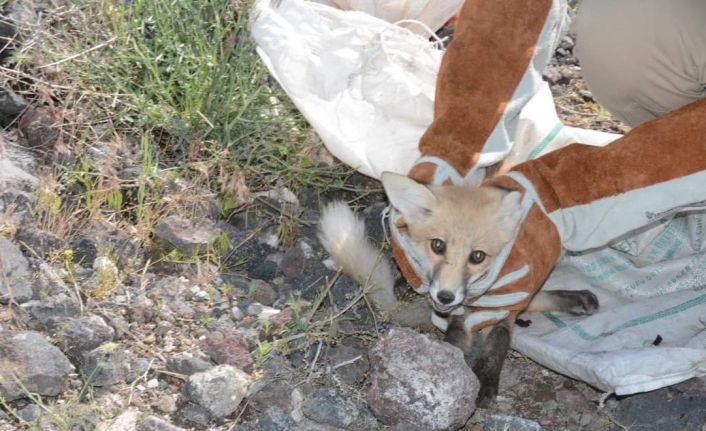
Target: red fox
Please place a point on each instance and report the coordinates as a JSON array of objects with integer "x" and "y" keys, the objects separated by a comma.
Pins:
[{"x": 457, "y": 231}]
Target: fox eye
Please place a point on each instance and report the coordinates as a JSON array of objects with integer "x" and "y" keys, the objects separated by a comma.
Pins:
[
  {"x": 438, "y": 246},
  {"x": 476, "y": 257}
]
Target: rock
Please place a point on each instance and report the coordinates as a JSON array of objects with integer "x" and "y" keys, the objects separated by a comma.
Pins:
[
  {"x": 420, "y": 381},
  {"x": 39, "y": 312},
  {"x": 29, "y": 357},
  {"x": 292, "y": 264},
  {"x": 307, "y": 425},
  {"x": 138, "y": 368},
  {"x": 678, "y": 407},
  {"x": 79, "y": 335},
  {"x": 254, "y": 309},
  {"x": 126, "y": 421},
  {"x": 17, "y": 179},
  {"x": 225, "y": 345},
  {"x": 327, "y": 406},
  {"x": 16, "y": 270},
  {"x": 105, "y": 365},
  {"x": 42, "y": 242},
  {"x": 219, "y": 390},
  {"x": 48, "y": 282},
  {"x": 586, "y": 95},
  {"x": 236, "y": 313},
  {"x": 11, "y": 103},
  {"x": 275, "y": 419},
  {"x": 271, "y": 393},
  {"x": 166, "y": 404},
  {"x": 265, "y": 270},
  {"x": 509, "y": 423},
  {"x": 100, "y": 240},
  {"x": 552, "y": 76},
  {"x": 195, "y": 414},
  {"x": 409, "y": 427},
  {"x": 41, "y": 127},
  {"x": 263, "y": 292},
  {"x": 30, "y": 412},
  {"x": 187, "y": 364},
  {"x": 349, "y": 364},
  {"x": 187, "y": 236},
  {"x": 153, "y": 423},
  {"x": 8, "y": 33}
]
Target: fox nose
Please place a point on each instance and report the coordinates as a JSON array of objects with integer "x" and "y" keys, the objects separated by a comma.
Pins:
[{"x": 445, "y": 297}]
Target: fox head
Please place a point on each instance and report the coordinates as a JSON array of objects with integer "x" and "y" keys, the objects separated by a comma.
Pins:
[{"x": 459, "y": 230}]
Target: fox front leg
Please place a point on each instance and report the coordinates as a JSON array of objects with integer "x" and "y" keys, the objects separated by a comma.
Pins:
[
  {"x": 494, "y": 343},
  {"x": 457, "y": 335}
]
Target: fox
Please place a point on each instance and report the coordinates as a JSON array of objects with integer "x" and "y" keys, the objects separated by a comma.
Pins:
[{"x": 459, "y": 230}]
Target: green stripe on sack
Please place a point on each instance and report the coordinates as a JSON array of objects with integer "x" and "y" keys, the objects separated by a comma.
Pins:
[
  {"x": 581, "y": 333},
  {"x": 544, "y": 142}
]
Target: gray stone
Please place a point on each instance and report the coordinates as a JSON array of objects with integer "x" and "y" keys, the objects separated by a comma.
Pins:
[
  {"x": 138, "y": 367},
  {"x": 420, "y": 381},
  {"x": 219, "y": 390},
  {"x": 37, "y": 364},
  {"x": 254, "y": 309},
  {"x": 275, "y": 419},
  {"x": 349, "y": 364},
  {"x": 17, "y": 173},
  {"x": 99, "y": 240},
  {"x": 187, "y": 236},
  {"x": 153, "y": 423},
  {"x": 105, "y": 365},
  {"x": 42, "y": 242},
  {"x": 187, "y": 364},
  {"x": 40, "y": 312},
  {"x": 406, "y": 427},
  {"x": 11, "y": 103},
  {"x": 166, "y": 404},
  {"x": 327, "y": 406},
  {"x": 126, "y": 421},
  {"x": 678, "y": 407},
  {"x": 79, "y": 335},
  {"x": 307, "y": 425},
  {"x": 270, "y": 393},
  {"x": 30, "y": 412},
  {"x": 509, "y": 423},
  {"x": 236, "y": 313},
  {"x": 195, "y": 414},
  {"x": 16, "y": 270}
]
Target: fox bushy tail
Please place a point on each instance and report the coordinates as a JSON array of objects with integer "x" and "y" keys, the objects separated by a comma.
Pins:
[{"x": 343, "y": 235}]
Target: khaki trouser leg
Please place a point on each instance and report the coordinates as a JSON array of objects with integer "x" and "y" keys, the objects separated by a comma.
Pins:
[{"x": 642, "y": 58}]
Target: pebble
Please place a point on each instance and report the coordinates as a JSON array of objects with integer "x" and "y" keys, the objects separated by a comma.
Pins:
[
  {"x": 325, "y": 405},
  {"x": 219, "y": 390}
]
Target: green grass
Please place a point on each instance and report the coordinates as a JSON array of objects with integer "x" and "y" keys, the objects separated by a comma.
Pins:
[
  {"x": 177, "y": 89},
  {"x": 187, "y": 72},
  {"x": 180, "y": 81}
]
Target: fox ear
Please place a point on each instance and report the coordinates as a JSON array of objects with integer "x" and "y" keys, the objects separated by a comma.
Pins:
[
  {"x": 412, "y": 199},
  {"x": 510, "y": 211}
]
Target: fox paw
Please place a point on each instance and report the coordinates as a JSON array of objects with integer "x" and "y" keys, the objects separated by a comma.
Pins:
[{"x": 580, "y": 302}]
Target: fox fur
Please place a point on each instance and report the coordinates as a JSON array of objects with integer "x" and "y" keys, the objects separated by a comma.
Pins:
[{"x": 343, "y": 235}]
